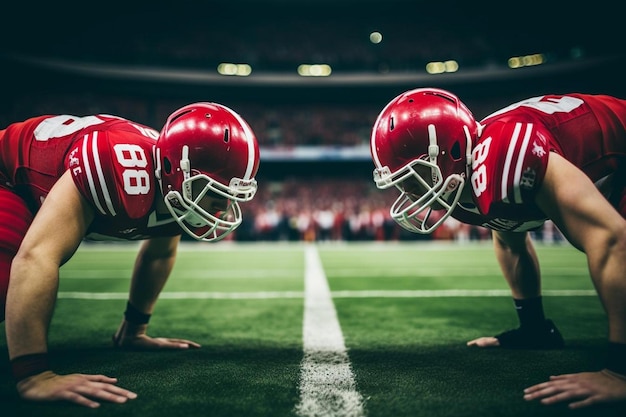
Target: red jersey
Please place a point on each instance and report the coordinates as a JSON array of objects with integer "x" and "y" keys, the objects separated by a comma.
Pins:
[
  {"x": 511, "y": 156},
  {"x": 111, "y": 161}
]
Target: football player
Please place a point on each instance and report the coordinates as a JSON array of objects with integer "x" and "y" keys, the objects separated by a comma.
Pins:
[
  {"x": 557, "y": 157},
  {"x": 65, "y": 178}
]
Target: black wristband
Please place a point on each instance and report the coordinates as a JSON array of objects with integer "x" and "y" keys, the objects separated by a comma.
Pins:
[
  {"x": 134, "y": 316},
  {"x": 26, "y": 366},
  {"x": 616, "y": 358}
]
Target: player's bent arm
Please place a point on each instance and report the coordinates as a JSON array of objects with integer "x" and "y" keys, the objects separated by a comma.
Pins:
[
  {"x": 591, "y": 224},
  {"x": 53, "y": 237},
  {"x": 55, "y": 234},
  {"x": 518, "y": 261},
  {"x": 153, "y": 266}
]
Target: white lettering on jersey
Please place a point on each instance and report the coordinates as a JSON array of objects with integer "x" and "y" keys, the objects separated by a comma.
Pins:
[
  {"x": 63, "y": 125},
  {"x": 478, "y": 178},
  {"x": 74, "y": 160},
  {"x": 538, "y": 150},
  {"x": 528, "y": 179},
  {"x": 545, "y": 105},
  {"x": 147, "y": 132},
  {"x": 136, "y": 181}
]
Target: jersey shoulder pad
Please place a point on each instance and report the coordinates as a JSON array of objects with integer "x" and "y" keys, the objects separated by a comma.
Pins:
[
  {"x": 509, "y": 162},
  {"x": 113, "y": 170}
]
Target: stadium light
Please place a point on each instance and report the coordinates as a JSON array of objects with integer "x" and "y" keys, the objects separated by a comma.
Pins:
[
  {"x": 376, "y": 37},
  {"x": 314, "y": 70},
  {"x": 240, "y": 70},
  {"x": 526, "y": 61},
  {"x": 439, "y": 67}
]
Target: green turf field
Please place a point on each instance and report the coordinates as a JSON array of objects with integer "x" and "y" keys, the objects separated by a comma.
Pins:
[{"x": 405, "y": 312}]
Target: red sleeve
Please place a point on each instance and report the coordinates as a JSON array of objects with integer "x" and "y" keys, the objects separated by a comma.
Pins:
[
  {"x": 112, "y": 170},
  {"x": 509, "y": 165}
]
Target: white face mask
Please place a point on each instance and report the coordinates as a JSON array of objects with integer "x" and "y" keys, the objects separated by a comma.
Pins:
[{"x": 205, "y": 210}]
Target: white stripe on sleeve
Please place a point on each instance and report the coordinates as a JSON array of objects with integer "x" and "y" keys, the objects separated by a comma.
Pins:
[
  {"x": 520, "y": 163},
  {"x": 87, "y": 166},
  {"x": 507, "y": 163},
  {"x": 103, "y": 183}
]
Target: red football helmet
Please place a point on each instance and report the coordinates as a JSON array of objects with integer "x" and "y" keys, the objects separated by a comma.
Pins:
[
  {"x": 422, "y": 144},
  {"x": 206, "y": 154}
]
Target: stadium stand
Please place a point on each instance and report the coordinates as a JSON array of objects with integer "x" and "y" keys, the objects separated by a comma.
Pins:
[{"x": 142, "y": 60}]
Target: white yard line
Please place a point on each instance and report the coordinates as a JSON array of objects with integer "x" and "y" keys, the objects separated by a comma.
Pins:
[
  {"x": 327, "y": 385},
  {"x": 451, "y": 293},
  {"x": 190, "y": 274}
]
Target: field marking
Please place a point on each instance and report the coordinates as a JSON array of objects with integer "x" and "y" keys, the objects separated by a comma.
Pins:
[
  {"x": 192, "y": 274},
  {"x": 451, "y": 293},
  {"x": 327, "y": 384},
  {"x": 368, "y": 271},
  {"x": 260, "y": 295},
  {"x": 269, "y": 295}
]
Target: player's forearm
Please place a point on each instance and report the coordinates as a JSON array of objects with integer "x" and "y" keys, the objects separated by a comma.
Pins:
[
  {"x": 606, "y": 265},
  {"x": 153, "y": 266},
  {"x": 149, "y": 278},
  {"x": 519, "y": 264},
  {"x": 30, "y": 303}
]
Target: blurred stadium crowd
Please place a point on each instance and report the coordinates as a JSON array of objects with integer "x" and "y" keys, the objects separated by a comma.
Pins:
[
  {"x": 334, "y": 210},
  {"x": 329, "y": 200}
]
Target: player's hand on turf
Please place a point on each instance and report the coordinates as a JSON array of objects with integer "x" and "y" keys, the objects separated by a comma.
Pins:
[
  {"x": 135, "y": 337},
  {"x": 541, "y": 336},
  {"x": 580, "y": 390},
  {"x": 81, "y": 389},
  {"x": 484, "y": 342}
]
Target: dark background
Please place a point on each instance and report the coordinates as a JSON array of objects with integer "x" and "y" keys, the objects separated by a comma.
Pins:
[{"x": 143, "y": 59}]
